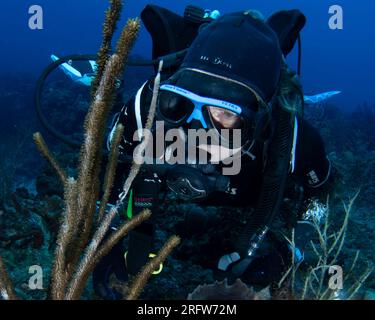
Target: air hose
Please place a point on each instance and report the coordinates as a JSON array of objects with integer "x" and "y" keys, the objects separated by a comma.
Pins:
[
  {"x": 38, "y": 93},
  {"x": 168, "y": 60},
  {"x": 272, "y": 191}
]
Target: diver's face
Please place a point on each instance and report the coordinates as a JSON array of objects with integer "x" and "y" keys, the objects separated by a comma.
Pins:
[
  {"x": 180, "y": 107},
  {"x": 213, "y": 127}
]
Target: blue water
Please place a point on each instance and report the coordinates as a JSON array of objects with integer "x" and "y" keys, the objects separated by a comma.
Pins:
[{"x": 332, "y": 59}]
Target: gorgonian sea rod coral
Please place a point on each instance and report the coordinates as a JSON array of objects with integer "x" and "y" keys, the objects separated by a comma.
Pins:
[{"x": 80, "y": 241}]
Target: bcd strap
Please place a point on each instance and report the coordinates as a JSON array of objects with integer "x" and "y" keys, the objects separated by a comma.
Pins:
[
  {"x": 287, "y": 24},
  {"x": 140, "y": 246},
  {"x": 144, "y": 196}
]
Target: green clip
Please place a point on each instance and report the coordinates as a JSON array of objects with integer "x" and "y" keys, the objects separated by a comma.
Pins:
[{"x": 129, "y": 211}]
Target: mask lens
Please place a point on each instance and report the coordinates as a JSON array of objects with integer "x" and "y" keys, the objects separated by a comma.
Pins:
[
  {"x": 225, "y": 119},
  {"x": 174, "y": 107}
]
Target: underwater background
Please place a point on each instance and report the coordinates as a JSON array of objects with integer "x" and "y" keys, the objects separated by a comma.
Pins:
[{"x": 30, "y": 195}]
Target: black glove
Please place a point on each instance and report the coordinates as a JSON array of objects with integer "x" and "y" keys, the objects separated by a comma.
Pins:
[{"x": 113, "y": 263}]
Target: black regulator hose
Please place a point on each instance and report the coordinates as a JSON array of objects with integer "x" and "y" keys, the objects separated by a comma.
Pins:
[
  {"x": 272, "y": 190},
  {"x": 299, "y": 67},
  {"x": 169, "y": 60},
  {"x": 38, "y": 96}
]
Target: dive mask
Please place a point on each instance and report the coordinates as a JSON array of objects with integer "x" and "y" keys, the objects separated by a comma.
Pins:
[{"x": 178, "y": 107}]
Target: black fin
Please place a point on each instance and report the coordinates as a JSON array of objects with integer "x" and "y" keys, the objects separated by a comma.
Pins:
[
  {"x": 287, "y": 24},
  {"x": 169, "y": 32}
]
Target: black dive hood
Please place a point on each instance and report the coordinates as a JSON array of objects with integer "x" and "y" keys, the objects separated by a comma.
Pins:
[{"x": 240, "y": 47}]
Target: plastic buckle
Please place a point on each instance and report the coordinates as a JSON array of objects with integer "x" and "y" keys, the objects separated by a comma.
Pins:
[{"x": 151, "y": 255}]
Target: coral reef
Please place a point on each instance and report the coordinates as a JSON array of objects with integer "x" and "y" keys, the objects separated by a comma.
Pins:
[
  {"x": 31, "y": 215},
  {"x": 80, "y": 245},
  {"x": 223, "y": 291},
  {"x": 327, "y": 247}
]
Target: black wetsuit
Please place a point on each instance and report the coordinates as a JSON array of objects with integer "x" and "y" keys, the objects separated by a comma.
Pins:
[
  {"x": 312, "y": 171},
  {"x": 312, "y": 168}
]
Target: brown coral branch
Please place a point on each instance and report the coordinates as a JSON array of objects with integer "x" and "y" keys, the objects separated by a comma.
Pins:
[
  {"x": 111, "y": 169},
  {"x": 139, "y": 151},
  {"x": 126, "y": 42},
  {"x": 94, "y": 128},
  {"x": 142, "y": 278},
  {"x": 6, "y": 286},
  {"x": 355, "y": 288},
  {"x": 91, "y": 152},
  {"x": 342, "y": 232},
  {"x": 69, "y": 277},
  {"x": 112, "y": 17},
  {"x": 67, "y": 233},
  {"x": 120, "y": 233},
  {"x": 88, "y": 177},
  {"x": 44, "y": 150},
  {"x": 88, "y": 261},
  {"x": 92, "y": 255},
  {"x": 88, "y": 182},
  {"x": 155, "y": 95},
  {"x": 79, "y": 279}
]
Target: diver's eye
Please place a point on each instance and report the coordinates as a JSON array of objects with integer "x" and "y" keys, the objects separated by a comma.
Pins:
[{"x": 225, "y": 119}]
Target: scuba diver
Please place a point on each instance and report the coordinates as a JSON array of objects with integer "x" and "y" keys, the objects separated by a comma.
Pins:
[{"x": 233, "y": 75}]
